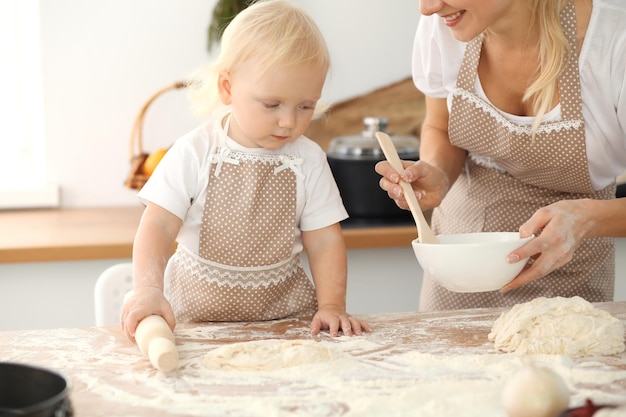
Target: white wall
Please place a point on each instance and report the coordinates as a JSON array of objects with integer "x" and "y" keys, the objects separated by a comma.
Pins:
[
  {"x": 60, "y": 294},
  {"x": 103, "y": 59}
]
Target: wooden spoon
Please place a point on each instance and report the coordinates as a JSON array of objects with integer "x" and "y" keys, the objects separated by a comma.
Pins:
[{"x": 424, "y": 232}]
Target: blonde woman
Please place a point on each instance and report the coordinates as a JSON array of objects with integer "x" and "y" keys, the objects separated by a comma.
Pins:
[
  {"x": 525, "y": 129},
  {"x": 245, "y": 193}
]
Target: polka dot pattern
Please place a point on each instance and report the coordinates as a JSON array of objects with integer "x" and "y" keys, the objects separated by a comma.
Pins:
[
  {"x": 196, "y": 298},
  {"x": 249, "y": 215},
  {"x": 247, "y": 235},
  {"x": 531, "y": 173}
]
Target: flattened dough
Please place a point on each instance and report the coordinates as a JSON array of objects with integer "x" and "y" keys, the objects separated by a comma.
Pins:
[
  {"x": 566, "y": 326},
  {"x": 270, "y": 354}
]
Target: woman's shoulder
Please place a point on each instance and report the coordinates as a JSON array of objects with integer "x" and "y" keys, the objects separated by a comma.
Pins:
[
  {"x": 437, "y": 57},
  {"x": 610, "y": 4},
  {"x": 605, "y": 40},
  {"x": 608, "y": 17}
]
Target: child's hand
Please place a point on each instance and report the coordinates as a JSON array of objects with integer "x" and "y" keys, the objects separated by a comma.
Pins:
[
  {"x": 141, "y": 303},
  {"x": 335, "y": 318}
]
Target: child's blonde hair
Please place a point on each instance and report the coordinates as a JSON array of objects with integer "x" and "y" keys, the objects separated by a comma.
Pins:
[{"x": 274, "y": 32}]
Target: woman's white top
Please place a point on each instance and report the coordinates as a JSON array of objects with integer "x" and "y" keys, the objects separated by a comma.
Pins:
[
  {"x": 437, "y": 58},
  {"x": 179, "y": 182}
]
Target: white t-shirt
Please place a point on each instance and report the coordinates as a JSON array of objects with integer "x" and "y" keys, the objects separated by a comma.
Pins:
[
  {"x": 437, "y": 58},
  {"x": 180, "y": 180}
]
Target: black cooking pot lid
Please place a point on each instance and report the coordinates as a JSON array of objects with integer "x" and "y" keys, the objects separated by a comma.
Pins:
[
  {"x": 33, "y": 392},
  {"x": 355, "y": 147}
]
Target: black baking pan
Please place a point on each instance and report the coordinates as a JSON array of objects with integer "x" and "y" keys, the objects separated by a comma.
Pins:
[{"x": 29, "y": 391}]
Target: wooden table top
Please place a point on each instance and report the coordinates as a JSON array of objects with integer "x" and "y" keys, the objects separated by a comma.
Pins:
[
  {"x": 426, "y": 364},
  {"x": 108, "y": 233}
]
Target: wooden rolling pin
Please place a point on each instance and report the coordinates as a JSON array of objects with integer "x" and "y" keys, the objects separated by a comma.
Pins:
[{"x": 156, "y": 341}]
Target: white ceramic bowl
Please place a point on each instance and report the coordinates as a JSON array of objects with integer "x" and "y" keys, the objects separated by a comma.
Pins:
[{"x": 471, "y": 262}]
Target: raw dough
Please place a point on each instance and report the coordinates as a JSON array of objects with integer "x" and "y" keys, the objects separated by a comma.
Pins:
[
  {"x": 567, "y": 326},
  {"x": 270, "y": 354}
]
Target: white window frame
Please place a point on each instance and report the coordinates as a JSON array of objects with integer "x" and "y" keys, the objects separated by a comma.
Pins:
[{"x": 23, "y": 171}]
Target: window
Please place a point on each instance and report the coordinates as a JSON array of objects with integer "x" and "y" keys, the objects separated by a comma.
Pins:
[{"x": 22, "y": 151}]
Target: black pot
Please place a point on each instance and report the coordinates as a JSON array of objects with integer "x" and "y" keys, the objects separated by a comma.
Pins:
[
  {"x": 28, "y": 391},
  {"x": 352, "y": 160},
  {"x": 620, "y": 191}
]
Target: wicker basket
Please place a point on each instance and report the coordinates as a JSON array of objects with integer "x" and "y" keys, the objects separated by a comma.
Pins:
[{"x": 136, "y": 177}]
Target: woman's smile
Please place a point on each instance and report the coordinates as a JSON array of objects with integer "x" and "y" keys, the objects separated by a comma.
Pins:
[{"x": 454, "y": 18}]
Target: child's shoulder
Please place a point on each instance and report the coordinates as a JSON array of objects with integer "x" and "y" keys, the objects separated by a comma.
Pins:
[
  {"x": 197, "y": 144},
  {"x": 201, "y": 137}
]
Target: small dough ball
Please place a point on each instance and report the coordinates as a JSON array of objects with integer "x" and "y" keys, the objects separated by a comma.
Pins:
[{"x": 535, "y": 391}]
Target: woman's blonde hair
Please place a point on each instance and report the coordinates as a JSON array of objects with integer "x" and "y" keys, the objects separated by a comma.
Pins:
[
  {"x": 274, "y": 32},
  {"x": 554, "y": 55}
]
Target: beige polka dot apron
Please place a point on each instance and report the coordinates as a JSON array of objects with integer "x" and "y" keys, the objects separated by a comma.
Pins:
[
  {"x": 509, "y": 175},
  {"x": 245, "y": 270}
]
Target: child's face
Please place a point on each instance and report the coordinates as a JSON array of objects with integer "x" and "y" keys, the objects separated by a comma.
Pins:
[{"x": 273, "y": 108}]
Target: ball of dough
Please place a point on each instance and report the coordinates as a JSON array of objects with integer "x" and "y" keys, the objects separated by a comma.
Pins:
[{"x": 535, "y": 391}]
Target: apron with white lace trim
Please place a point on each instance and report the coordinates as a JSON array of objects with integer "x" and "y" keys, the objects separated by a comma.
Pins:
[
  {"x": 509, "y": 175},
  {"x": 245, "y": 269}
]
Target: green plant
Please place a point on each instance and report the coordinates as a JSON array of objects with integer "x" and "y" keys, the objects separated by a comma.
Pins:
[{"x": 223, "y": 13}]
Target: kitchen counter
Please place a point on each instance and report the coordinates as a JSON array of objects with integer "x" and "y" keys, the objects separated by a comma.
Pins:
[
  {"x": 429, "y": 364},
  {"x": 107, "y": 233}
]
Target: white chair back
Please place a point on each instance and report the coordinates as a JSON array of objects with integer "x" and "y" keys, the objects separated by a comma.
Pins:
[{"x": 111, "y": 287}]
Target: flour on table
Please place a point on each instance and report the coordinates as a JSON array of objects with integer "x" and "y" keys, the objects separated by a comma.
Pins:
[
  {"x": 566, "y": 326},
  {"x": 270, "y": 354},
  {"x": 611, "y": 412}
]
